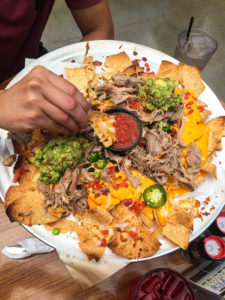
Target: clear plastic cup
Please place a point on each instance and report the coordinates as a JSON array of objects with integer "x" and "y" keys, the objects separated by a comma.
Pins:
[{"x": 198, "y": 50}]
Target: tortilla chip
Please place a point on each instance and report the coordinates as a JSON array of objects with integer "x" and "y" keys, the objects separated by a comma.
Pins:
[
  {"x": 64, "y": 225},
  {"x": 181, "y": 216},
  {"x": 190, "y": 78},
  {"x": 130, "y": 71},
  {"x": 90, "y": 70},
  {"x": 94, "y": 82},
  {"x": 168, "y": 69},
  {"x": 178, "y": 234},
  {"x": 124, "y": 244},
  {"x": 118, "y": 62},
  {"x": 102, "y": 124},
  {"x": 28, "y": 208},
  {"x": 217, "y": 131},
  {"x": 86, "y": 60},
  {"x": 79, "y": 78},
  {"x": 91, "y": 248},
  {"x": 210, "y": 168}
]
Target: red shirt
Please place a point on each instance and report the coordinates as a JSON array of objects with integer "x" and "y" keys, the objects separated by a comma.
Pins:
[{"x": 21, "y": 25}]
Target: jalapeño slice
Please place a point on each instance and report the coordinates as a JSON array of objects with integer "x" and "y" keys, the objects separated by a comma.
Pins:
[
  {"x": 93, "y": 157},
  {"x": 101, "y": 163},
  {"x": 155, "y": 196}
]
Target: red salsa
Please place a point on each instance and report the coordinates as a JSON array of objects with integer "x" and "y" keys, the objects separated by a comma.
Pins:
[{"x": 127, "y": 131}]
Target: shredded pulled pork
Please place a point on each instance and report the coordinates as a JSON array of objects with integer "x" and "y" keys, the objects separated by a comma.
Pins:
[
  {"x": 134, "y": 181},
  {"x": 68, "y": 193},
  {"x": 124, "y": 80},
  {"x": 20, "y": 137},
  {"x": 160, "y": 115},
  {"x": 157, "y": 140},
  {"x": 117, "y": 94},
  {"x": 169, "y": 163}
]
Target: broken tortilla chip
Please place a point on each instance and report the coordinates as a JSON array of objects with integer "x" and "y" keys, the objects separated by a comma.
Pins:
[
  {"x": 179, "y": 215},
  {"x": 217, "y": 131},
  {"x": 190, "y": 78},
  {"x": 28, "y": 208},
  {"x": 118, "y": 62},
  {"x": 178, "y": 234},
  {"x": 102, "y": 124},
  {"x": 79, "y": 78}
]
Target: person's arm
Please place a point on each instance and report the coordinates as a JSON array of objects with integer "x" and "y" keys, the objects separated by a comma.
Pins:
[
  {"x": 95, "y": 22},
  {"x": 43, "y": 100}
]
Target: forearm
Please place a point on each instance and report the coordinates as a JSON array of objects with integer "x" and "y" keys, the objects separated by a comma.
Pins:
[{"x": 95, "y": 22}]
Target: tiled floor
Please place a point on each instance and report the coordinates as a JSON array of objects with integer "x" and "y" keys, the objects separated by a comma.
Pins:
[{"x": 152, "y": 23}]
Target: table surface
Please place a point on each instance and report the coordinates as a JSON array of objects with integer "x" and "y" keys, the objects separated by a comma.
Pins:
[{"x": 46, "y": 277}]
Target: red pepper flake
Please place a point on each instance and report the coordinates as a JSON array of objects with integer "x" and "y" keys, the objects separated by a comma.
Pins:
[
  {"x": 212, "y": 207},
  {"x": 97, "y": 63},
  {"x": 200, "y": 108},
  {"x": 103, "y": 243},
  {"x": 206, "y": 214},
  {"x": 105, "y": 232},
  {"x": 220, "y": 162},
  {"x": 135, "y": 53},
  {"x": 73, "y": 61}
]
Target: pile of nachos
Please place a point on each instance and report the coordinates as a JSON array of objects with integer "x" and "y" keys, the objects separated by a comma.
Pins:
[{"x": 123, "y": 201}]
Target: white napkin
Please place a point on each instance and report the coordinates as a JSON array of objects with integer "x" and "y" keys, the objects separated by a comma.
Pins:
[{"x": 26, "y": 248}]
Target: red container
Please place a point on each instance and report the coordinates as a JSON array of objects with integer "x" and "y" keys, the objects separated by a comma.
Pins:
[{"x": 161, "y": 284}]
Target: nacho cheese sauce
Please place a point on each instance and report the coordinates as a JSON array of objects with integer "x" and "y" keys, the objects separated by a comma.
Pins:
[{"x": 127, "y": 131}]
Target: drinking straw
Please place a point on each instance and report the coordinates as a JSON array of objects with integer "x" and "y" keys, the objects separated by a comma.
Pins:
[
  {"x": 161, "y": 292},
  {"x": 189, "y": 28}
]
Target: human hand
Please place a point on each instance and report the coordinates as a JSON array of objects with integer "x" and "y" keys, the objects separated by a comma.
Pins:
[{"x": 43, "y": 100}]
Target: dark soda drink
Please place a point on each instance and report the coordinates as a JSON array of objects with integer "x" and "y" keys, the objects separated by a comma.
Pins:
[{"x": 161, "y": 284}]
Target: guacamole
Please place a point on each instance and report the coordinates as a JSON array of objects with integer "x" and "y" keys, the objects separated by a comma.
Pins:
[
  {"x": 54, "y": 158},
  {"x": 159, "y": 93}
]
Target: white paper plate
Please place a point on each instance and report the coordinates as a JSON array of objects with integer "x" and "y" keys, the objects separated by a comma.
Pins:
[{"x": 55, "y": 61}]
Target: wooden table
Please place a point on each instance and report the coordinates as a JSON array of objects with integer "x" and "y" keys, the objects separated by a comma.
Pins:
[{"x": 46, "y": 277}]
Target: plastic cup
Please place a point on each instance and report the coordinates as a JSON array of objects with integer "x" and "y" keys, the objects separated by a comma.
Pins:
[
  {"x": 161, "y": 284},
  {"x": 197, "y": 50}
]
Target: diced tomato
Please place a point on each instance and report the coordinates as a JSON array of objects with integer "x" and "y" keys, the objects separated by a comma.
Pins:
[
  {"x": 18, "y": 173},
  {"x": 35, "y": 145},
  {"x": 153, "y": 73},
  {"x": 105, "y": 232},
  {"x": 105, "y": 193},
  {"x": 190, "y": 111},
  {"x": 187, "y": 95},
  {"x": 134, "y": 104},
  {"x": 138, "y": 206},
  {"x": 190, "y": 102},
  {"x": 128, "y": 202},
  {"x": 200, "y": 108},
  {"x": 195, "y": 98},
  {"x": 147, "y": 65},
  {"x": 97, "y": 186},
  {"x": 112, "y": 171},
  {"x": 96, "y": 196},
  {"x": 103, "y": 243},
  {"x": 133, "y": 234},
  {"x": 122, "y": 184},
  {"x": 51, "y": 223}
]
